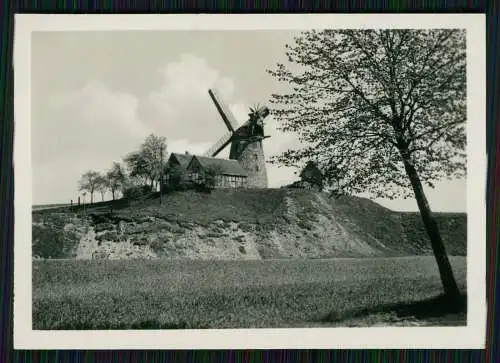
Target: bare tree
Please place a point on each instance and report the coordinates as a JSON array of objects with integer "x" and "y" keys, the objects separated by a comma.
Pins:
[
  {"x": 116, "y": 178},
  {"x": 383, "y": 111},
  {"x": 102, "y": 185},
  {"x": 89, "y": 183}
]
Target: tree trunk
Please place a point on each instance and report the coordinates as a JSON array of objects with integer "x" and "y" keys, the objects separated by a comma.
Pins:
[
  {"x": 92, "y": 198},
  {"x": 102, "y": 197},
  {"x": 113, "y": 193},
  {"x": 448, "y": 280}
]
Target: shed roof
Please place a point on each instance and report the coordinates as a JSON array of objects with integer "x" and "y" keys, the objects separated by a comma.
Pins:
[
  {"x": 311, "y": 166},
  {"x": 227, "y": 166}
]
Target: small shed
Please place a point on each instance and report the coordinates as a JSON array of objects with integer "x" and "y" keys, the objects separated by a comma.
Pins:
[
  {"x": 232, "y": 174},
  {"x": 311, "y": 176}
]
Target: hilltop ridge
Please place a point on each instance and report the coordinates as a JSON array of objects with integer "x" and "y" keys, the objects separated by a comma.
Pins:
[{"x": 238, "y": 224}]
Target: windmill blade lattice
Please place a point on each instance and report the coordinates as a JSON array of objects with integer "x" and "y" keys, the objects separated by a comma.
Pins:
[{"x": 219, "y": 145}]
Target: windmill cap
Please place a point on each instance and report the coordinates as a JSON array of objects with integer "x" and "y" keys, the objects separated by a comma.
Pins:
[{"x": 263, "y": 112}]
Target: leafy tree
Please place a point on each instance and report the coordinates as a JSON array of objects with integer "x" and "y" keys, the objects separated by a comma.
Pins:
[
  {"x": 148, "y": 162},
  {"x": 136, "y": 191},
  {"x": 176, "y": 176},
  {"x": 137, "y": 168},
  {"x": 116, "y": 178},
  {"x": 89, "y": 182},
  {"x": 383, "y": 111},
  {"x": 102, "y": 185}
]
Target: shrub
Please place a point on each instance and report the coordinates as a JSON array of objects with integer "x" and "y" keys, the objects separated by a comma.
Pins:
[
  {"x": 167, "y": 188},
  {"x": 209, "y": 181},
  {"x": 177, "y": 180},
  {"x": 136, "y": 191},
  {"x": 108, "y": 236},
  {"x": 177, "y": 229},
  {"x": 239, "y": 238},
  {"x": 305, "y": 225},
  {"x": 104, "y": 226},
  {"x": 214, "y": 234},
  {"x": 157, "y": 245},
  {"x": 53, "y": 242},
  {"x": 176, "y": 175},
  {"x": 140, "y": 241}
]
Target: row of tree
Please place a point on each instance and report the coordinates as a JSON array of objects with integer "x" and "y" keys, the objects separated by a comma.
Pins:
[
  {"x": 113, "y": 180},
  {"x": 141, "y": 168}
]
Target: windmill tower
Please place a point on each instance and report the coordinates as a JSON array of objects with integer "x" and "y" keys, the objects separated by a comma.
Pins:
[{"x": 245, "y": 140}]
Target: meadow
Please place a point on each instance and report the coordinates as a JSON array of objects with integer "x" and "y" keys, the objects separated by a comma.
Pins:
[{"x": 181, "y": 294}]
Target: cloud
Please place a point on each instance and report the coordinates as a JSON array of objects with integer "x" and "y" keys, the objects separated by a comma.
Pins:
[
  {"x": 240, "y": 112},
  {"x": 183, "y": 145},
  {"x": 191, "y": 76},
  {"x": 93, "y": 120},
  {"x": 181, "y": 107}
]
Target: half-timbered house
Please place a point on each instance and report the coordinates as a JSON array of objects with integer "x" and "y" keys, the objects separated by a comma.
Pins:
[{"x": 230, "y": 173}]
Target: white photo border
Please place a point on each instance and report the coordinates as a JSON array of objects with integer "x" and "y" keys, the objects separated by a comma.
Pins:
[{"x": 471, "y": 336}]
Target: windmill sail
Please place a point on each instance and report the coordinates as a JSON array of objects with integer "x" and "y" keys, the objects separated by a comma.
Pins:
[
  {"x": 219, "y": 145},
  {"x": 224, "y": 111}
]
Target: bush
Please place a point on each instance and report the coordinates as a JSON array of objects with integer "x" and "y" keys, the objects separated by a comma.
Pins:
[
  {"x": 209, "y": 181},
  {"x": 177, "y": 176},
  {"x": 177, "y": 180},
  {"x": 108, "y": 236},
  {"x": 157, "y": 245},
  {"x": 136, "y": 191},
  {"x": 215, "y": 234},
  {"x": 170, "y": 187},
  {"x": 240, "y": 238},
  {"x": 53, "y": 242},
  {"x": 167, "y": 188},
  {"x": 140, "y": 241},
  {"x": 103, "y": 227},
  {"x": 294, "y": 185}
]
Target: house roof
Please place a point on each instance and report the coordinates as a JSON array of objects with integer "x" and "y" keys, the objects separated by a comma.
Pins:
[
  {"x": 227, "y": 166},
  {"x": 183, "y": 159}
]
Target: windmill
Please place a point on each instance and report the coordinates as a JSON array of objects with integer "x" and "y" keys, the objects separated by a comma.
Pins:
[{"x": 245, "y": 140}]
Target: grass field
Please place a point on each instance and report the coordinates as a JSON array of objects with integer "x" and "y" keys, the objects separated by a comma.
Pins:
[{"x": 176, "y": 294}]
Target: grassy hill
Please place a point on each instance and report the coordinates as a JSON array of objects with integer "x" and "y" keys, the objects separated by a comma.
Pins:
[{"x": 238, "y": 224}]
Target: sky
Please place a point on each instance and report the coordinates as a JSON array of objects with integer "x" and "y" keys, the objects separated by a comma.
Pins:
[{"x": 97, "y": 94}]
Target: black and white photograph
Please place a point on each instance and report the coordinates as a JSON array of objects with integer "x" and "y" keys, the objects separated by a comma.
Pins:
[{"x": 226, "y": 181}]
